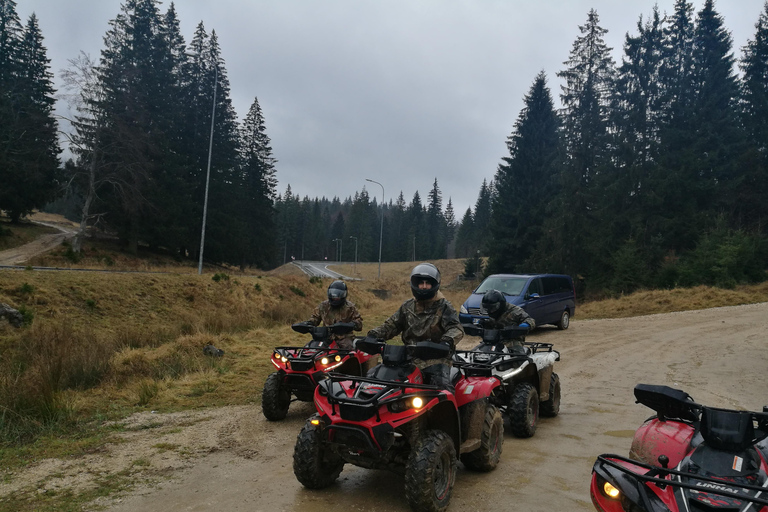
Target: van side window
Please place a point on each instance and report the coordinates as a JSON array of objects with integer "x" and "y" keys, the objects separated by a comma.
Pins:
[
  {"x": 535, "y": 287},
  {"x": 550, "y": 285}
]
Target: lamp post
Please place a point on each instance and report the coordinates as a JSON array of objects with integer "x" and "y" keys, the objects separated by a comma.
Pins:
[
  {"x": 208, "y": 174},
  {"x": 354, "y": 268},
  {"x": 337, "y": 247},
  {"x": 381, "y": 231}
]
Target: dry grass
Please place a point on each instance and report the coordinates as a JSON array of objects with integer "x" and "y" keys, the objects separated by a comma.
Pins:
[
  {"x": 398, "y": 271},
  {"x": 647, "y": 302}
]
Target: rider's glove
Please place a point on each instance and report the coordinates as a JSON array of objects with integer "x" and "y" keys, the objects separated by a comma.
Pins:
[
  {"x": 524, "y": 325},
  {"x": 447, "y": 340}
]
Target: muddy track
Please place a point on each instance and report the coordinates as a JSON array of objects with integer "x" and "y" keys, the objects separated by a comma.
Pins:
[{"x": 237, "y": 461}]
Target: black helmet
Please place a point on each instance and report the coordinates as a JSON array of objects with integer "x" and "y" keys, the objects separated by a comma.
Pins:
[
  {"x": 425, "y": 272},
  {"x": 337, "y": 293},
  {"x": 493, "y": 303}
]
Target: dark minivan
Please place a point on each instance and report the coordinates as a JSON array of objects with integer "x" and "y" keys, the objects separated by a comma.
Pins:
[{"x": 548, "y": 298}]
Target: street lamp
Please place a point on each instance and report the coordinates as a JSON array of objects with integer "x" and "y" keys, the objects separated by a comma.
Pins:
[
  {"x": 208, "y": 174},
  {"x": 381, "y": 231},
  {"x": 337, "y": 240},
  {"x": 354, "y": 268}
]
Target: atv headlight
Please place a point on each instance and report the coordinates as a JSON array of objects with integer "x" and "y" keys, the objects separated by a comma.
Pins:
[
  {"x": 611, "y": 491},
  {"x": 415, "y": 402},
  {"x": 324, "y": 361}
]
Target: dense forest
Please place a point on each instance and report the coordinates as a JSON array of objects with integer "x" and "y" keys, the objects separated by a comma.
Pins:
[{"x": 652, "y": 171}]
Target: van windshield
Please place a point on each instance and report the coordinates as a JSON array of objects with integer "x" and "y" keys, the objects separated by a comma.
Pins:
[{"x": 506, "y": 285}]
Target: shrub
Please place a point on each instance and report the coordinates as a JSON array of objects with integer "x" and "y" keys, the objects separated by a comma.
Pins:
[
  {"x": 71, "y": 255},
  {"x": 220, "y": 276},
  {"x": 27, "y": 315},
  {"x": 298, "y": 291},
  {"x": 257, "y": 287},
  {"x": 25, "y": 289},
  {"x": 316, "y": 280}
]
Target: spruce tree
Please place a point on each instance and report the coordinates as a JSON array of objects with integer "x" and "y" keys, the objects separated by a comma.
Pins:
[
  {"x": 29, "y": 174},
  {"x": 585, "y": 96},
  {"x": 436, "y": 228},
  {"x": 525, "y": 181},
  {"x": 753, "y": 189},
  {"x": 258, "y": 184}
]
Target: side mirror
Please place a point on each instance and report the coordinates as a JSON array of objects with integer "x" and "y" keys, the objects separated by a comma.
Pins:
[{"x": 532, "y": 296}]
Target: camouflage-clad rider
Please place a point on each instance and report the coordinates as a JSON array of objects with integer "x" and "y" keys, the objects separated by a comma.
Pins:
[
  {"x": 429, "y": 316},
  {"x": 338, "y": 309},
  {"x": 503, "y": 314}
]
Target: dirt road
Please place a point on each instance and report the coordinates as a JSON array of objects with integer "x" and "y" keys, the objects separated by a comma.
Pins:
[
  {"x": 19, "y": 255},
  {"x": 242, "y": 462}
]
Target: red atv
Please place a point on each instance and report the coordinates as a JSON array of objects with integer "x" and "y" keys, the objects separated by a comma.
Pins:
[
  {"x": 687, "y": 458},
  {"x": 392, "y": 420},
  {"x": 300, "y": 369}
]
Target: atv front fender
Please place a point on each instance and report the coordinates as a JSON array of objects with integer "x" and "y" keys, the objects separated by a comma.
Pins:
[{"x": 475, "y": 388}]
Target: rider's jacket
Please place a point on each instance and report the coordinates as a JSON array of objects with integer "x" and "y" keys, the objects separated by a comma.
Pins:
[
  {"x": 512, "y": 316},
  {"x": 346, "y": 313},
  {"x": 423, "y": 320}
]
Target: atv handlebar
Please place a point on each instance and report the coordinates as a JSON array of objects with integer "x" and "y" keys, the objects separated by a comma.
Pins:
[{"x": 497, "y": 335}]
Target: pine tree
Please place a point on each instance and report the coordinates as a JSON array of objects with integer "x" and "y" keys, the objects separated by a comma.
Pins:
[
  {"x": 436, "y": 244},
  {"x": 450, "y": 233},
  {"x": 465, "y": 236},
  {"x": 259, "y": 183},
  {"x": 29, "y": 174},
  {"x": 534, "y": 157},
  {"x": 482, "y": 217},
  {"x": 753, "y": 189},
  {"x": 631, "y": 210},
  {"x": 585, "y": 96}
]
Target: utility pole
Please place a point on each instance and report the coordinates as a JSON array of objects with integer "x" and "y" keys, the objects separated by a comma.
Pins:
[
  {"x": 208, "y": 174},
  {"x": 381, "y": 231},
  {"x": 337, "y": 240},
  {"x": 354, "y": 267},
  {"x": 414, "y": 248}
]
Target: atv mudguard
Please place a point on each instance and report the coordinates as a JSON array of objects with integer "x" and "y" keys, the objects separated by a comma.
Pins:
[
  {"x": 656, "y": 437},
  {"x": 475, "y": 388}
]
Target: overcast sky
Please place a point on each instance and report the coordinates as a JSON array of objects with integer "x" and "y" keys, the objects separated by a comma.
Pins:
[{"x": 398, "y": 91}]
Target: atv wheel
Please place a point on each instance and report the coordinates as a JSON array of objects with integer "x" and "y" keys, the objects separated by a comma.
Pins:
[
  {"x": 430, "y": 472},
  {"x": 524, "y": 410},
  {"x": 565, "y": 320},
  {"x": 551, "y": 407},
  {"x": 275, "y": 398},
  {"x": 487, "y": 456},
  {"x": 314, "y": 465}
]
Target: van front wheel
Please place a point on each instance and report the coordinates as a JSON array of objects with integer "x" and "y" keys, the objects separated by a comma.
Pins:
[{"x": 565, "y": 320}]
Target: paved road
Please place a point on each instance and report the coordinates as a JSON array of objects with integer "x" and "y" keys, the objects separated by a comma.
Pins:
[{"x": 320, "y": 269}]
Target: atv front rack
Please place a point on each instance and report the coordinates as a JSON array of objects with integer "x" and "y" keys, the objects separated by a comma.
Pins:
[
  {"x": 655, "y": 475},
  {"x": 373, "y": 402},
  {"x": 303, "y": 359}
]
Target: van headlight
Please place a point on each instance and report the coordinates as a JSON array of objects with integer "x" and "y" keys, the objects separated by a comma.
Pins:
[{"x": 462, "y": 309}]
